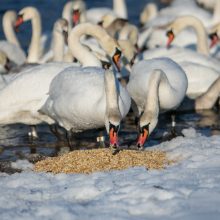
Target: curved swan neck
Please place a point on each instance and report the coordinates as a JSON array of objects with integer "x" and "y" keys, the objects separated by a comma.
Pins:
[
  {"x": 151, "y": 106},
  {"x": 112, "y": 108},
  {"x": 189, "y": 21},
  {"x": 34, "y": 51},
  {"x": 80, "y": 52},
  {"x": 120, "y": 8},
  {"x": 8, "y": 22}
]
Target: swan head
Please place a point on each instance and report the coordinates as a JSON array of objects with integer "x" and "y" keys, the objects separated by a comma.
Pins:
[
  {"x": 61, "y": 27},
  {"x": 146, "y": 125},
  {"x": 26, "y": 14},
  {"x": 113, "y": 134},
  {"x": 149, "y": 12},
  {"x": 129, "y": 51},
  {"x": 78, "y": 8},
  {"x": 214, "y": 39},
  {"x": 170, "y": 36},
  {"x": 206, "y": 4},
  {"x": 106, "y": 20}
]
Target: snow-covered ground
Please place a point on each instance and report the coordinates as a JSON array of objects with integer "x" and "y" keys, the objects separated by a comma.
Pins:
[{"x": 187, "y": 190}]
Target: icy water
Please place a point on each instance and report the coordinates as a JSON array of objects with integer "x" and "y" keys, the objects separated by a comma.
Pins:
[{"x": 14, "y": 140}]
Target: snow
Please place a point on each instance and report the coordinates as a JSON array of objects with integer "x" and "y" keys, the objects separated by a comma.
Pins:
[{"x": 189, "y": 189}]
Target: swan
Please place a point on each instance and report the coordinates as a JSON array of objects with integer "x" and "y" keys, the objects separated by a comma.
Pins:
[
  {"x": 155, "y": 86},
  {"x": 25, "y": 93},
  {"x": 168, "y": 15},
  {"x": 95, "y": 101},
  {"x": 181, "y": 35},
  {"x": 202, "y": 71},
  {"x": 11, "y": 46},
  {"x": 59, "y": 38},
  {"x": 184, "y": 54},
  {"x": 39, "y": 43}
]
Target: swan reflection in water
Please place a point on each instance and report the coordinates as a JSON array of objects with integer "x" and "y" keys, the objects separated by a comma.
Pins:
[{"x": 15, "y": 144}]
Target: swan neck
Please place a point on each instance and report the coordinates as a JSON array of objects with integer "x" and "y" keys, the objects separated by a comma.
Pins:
[
  {"x": 58, "y": 46},
  {"x": 151, "y": 107},
  {"x": 66, "y": 13},
  {"x": 112, "y": 107},
  {"x": 120, "y": 8},
  {"x": 34, "y": 48},
  {"x": 8, "y": 21},
  {"x": 202, "y": 42}
]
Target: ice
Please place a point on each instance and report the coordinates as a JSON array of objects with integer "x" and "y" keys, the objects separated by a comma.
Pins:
[{"x": 188, "y": 189}]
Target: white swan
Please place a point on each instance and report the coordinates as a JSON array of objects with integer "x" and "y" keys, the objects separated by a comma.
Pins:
[
  {"x": 25, "y": 93},
  {"x": 155, "y": 86},
  {"x": 39, "y": 43},
  {"x": 11, "y": 46},
  {"x": 168, "y": 15},
  {"x": 183, "y": 54},
  {"x": 96, "y": 100},
  {"x": 185, "y": 31},
  {"x": 58, "y": 47}
]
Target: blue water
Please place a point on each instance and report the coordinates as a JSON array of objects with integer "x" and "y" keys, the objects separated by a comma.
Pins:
[{"x": 14, "y": 141}]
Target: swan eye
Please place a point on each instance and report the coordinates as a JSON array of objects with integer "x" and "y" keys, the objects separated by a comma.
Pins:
[
  {"x": 213, "y": 35},
  {"x": 105, "y": 65},
  {"x": 169, "y": 33}
]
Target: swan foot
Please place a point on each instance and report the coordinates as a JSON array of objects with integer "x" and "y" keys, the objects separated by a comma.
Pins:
[
  {"x": 33, "y": 133},
  {"x": 101, "y": 141}
]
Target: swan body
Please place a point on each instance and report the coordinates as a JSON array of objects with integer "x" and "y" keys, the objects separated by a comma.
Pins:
[
  {"x": 183, "y": 55},
  {"x": 155, "y": 86},
  {"x": 25, "y": 93},
  {"x": 85, "y": 105},
  {"x": 23, "y": 96}
]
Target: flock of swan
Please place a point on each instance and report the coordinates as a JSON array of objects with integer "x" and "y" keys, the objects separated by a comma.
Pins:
[{"x": 96, "y": 67}]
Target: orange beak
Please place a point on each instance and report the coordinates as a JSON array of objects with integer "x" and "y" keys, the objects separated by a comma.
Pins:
[
  {"x": 18, "y": 22},
  {"x": 116, "y": 59},
  {"x": 143, "y": 137},
  {"x": 113, "y": 137},
  {"x": 170, "y": 36},
  {"x": 76, "y": 16},
  {"x": 214, "y": 39}
]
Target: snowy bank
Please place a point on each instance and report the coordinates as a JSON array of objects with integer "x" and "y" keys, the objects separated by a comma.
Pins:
[{"x": 187, "y": 190}]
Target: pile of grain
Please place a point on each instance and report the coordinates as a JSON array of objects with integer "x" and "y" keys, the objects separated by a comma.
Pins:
[{"x": 88, "y": 161}]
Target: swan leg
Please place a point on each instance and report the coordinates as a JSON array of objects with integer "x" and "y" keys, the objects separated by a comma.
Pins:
[
  {"x": 33, "y": 133},
  {"x": 69, "y": 137},
  {"x": 54, "y": 129}
]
